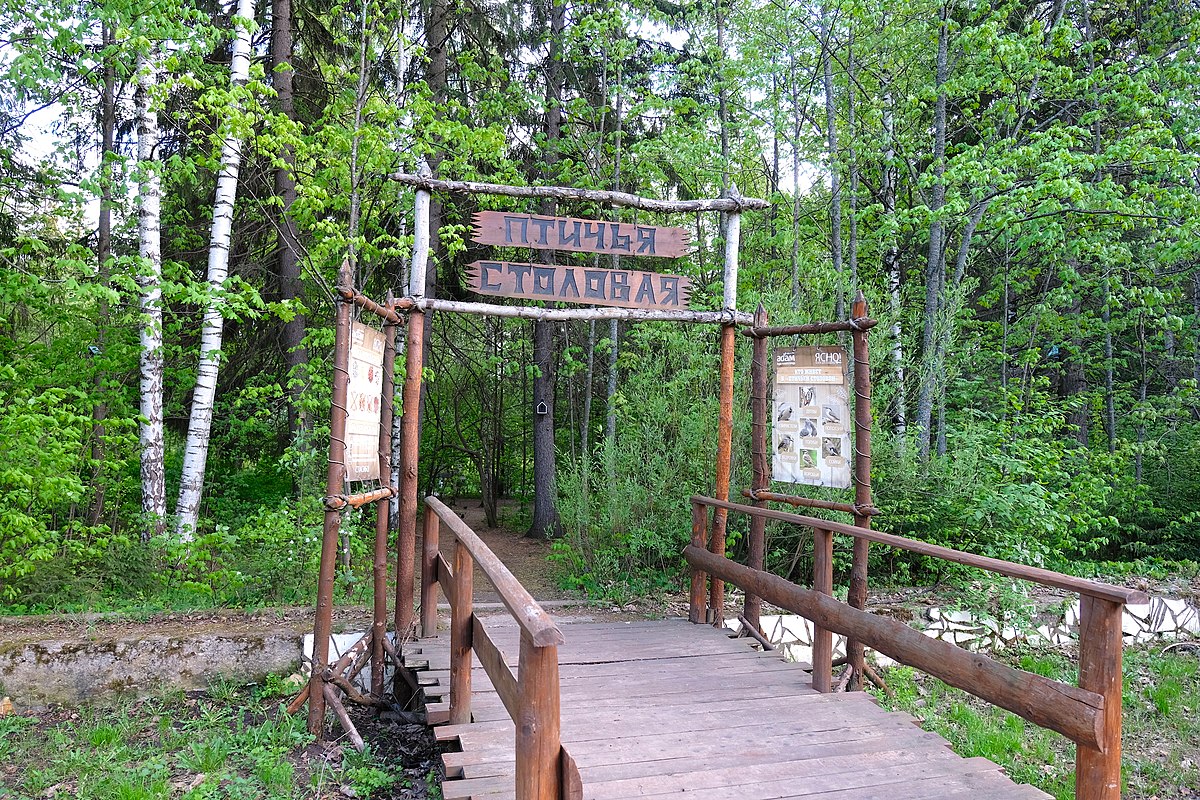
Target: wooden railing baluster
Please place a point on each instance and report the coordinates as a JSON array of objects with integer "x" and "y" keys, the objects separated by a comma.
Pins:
[
  {"x": 429, "y": 583},
  {"x": 698, "y": 612},
  {"x": 1098, "y": 771},
  {"x": 539, "y": 748},
  {"x": 822, "y": 650},
  {"x": 461, "y": 618}
]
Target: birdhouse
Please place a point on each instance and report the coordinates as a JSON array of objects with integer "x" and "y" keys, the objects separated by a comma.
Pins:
[{"x": 542, "y": 408}]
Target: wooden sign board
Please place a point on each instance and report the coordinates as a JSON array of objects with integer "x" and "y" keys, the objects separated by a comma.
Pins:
[
  {"x": 625, "y": 288},
  {"x": 579, "y": 235},
  {"x": 364, "y": 398},
  {"x": 810, "y": 430}
]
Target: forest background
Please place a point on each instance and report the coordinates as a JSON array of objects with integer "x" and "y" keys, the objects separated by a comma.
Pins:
[{"x": 1015, "y": 186}]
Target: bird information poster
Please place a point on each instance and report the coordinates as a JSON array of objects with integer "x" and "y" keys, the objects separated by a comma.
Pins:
[
  {"x": 810, "y": 433},
  {"x": 364, "y": 398}
]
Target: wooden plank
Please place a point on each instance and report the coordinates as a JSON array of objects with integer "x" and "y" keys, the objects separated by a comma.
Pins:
[
  {"x": 754, "y": 759},
  {"x": 579, "y": 235},
  {"x": 865, "y": 782},
  {"x": 491, "y": 658},
  {"x": 618, "y": 288},
  {"x": 1075, "y": 713},
  {"x": 740, "y": 775},
  {"x": 773, "y": 739}
]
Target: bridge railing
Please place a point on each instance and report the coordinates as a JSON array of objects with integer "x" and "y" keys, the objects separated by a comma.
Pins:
[
  {"x": 1088, "y": 714},
  {"x": 544, "y": 771}
]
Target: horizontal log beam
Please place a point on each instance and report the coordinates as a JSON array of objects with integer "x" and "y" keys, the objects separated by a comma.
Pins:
[
  {"x": 1075, "y": 713},
  {"x": 362, "y": 301},
  {"x": 581, "y": 313},
  {"x": 1083, "y": 586},
  {"x": 339, "y": 501},
  {"x": 860, "y": 324},
  {"x": 536, "y": 623},
  {"x": 810, "y": 502},
  {"x": 735, "y": 203}
]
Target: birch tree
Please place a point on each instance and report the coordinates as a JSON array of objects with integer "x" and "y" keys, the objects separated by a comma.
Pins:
[
  {"x": 149, "y": 281},
  {"x": 191, "y": 483}
]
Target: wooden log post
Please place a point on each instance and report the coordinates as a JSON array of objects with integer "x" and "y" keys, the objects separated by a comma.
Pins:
[
  {"x": 334, "y": 485},
  {"x": 752, "y": 608},
  {"x": 380, "y": 562},
  {"x": 410, "y": 423},
  {"x": 822, "y": 649},
  {"x": 538, "y": 747},
  {"x": 429, "y": 576},
  {"x": 1098, "y": 770},
  {"x": 462, "y": 617},
  {"x": 698, "y": 612},
  {"x": 716, "y": 587},
  {"x": 862, "y": 481}
]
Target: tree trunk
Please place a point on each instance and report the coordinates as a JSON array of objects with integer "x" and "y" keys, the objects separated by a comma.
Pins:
[
  {"x": 149, "y": 280},
  {"x": 546, "y": 523},
  {"x": 835, "y": 180},
  {"x": 1110, "y": 406},
  {"x": 108, "y": 126},
  {"x": 287, "y": 261},
  {"x": 195, "y": 457},
  {"x": 934, "y": 269},
  {"x": 891, "y": 262}
]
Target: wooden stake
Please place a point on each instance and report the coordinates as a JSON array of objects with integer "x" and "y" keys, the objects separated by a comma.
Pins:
[
  {"x": 410, "y": 422},
  {"x": 335, "y": 703},
  {"x": 334, "y": 479},
  {"x": 716, "y": 587},
  {"x": 380, "y": 563}
]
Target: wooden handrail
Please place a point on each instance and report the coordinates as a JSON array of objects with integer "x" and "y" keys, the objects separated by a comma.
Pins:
[
  {"x": 1083, "y": 586},
  {"x": 1089, "y": 715},
  {"x": 534, "y": 621},
  {"x": 1073, "y": 712},
  {"x": 544, "y": 770}
]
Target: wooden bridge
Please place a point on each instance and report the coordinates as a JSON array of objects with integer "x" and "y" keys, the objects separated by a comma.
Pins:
[{"x": 637, "y": 709}]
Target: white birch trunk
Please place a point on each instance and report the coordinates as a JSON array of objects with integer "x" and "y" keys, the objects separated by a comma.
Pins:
[
  {"x": 191, "y": 483},
  {"x": 149, "y": 281}
]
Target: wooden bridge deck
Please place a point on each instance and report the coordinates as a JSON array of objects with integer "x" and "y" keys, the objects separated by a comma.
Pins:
[{"x": 656, "y": 708}]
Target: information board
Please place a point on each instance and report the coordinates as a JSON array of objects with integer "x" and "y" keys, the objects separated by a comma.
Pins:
[
  {"x": 810, "y": 431},
  {"x": 364, "y": 399}
]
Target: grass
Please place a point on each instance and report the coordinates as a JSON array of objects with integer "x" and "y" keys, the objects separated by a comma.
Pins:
[
  {"x": 233, "y": 742},
  {"x": 1161, "y": 730}
]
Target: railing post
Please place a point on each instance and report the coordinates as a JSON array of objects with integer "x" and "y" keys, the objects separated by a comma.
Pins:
[
  {"x": 698, "y": 611},
  {"x": 1098, "y": 772},
  {"x": 862, "y": 482},
  {"x": 760, "y": 464},
  {"x": 461, "y": 616},
  {"x": 822, "y": 651},
  {"x": 539, "y": 747},
  {"x": 429, "y": 585}
]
